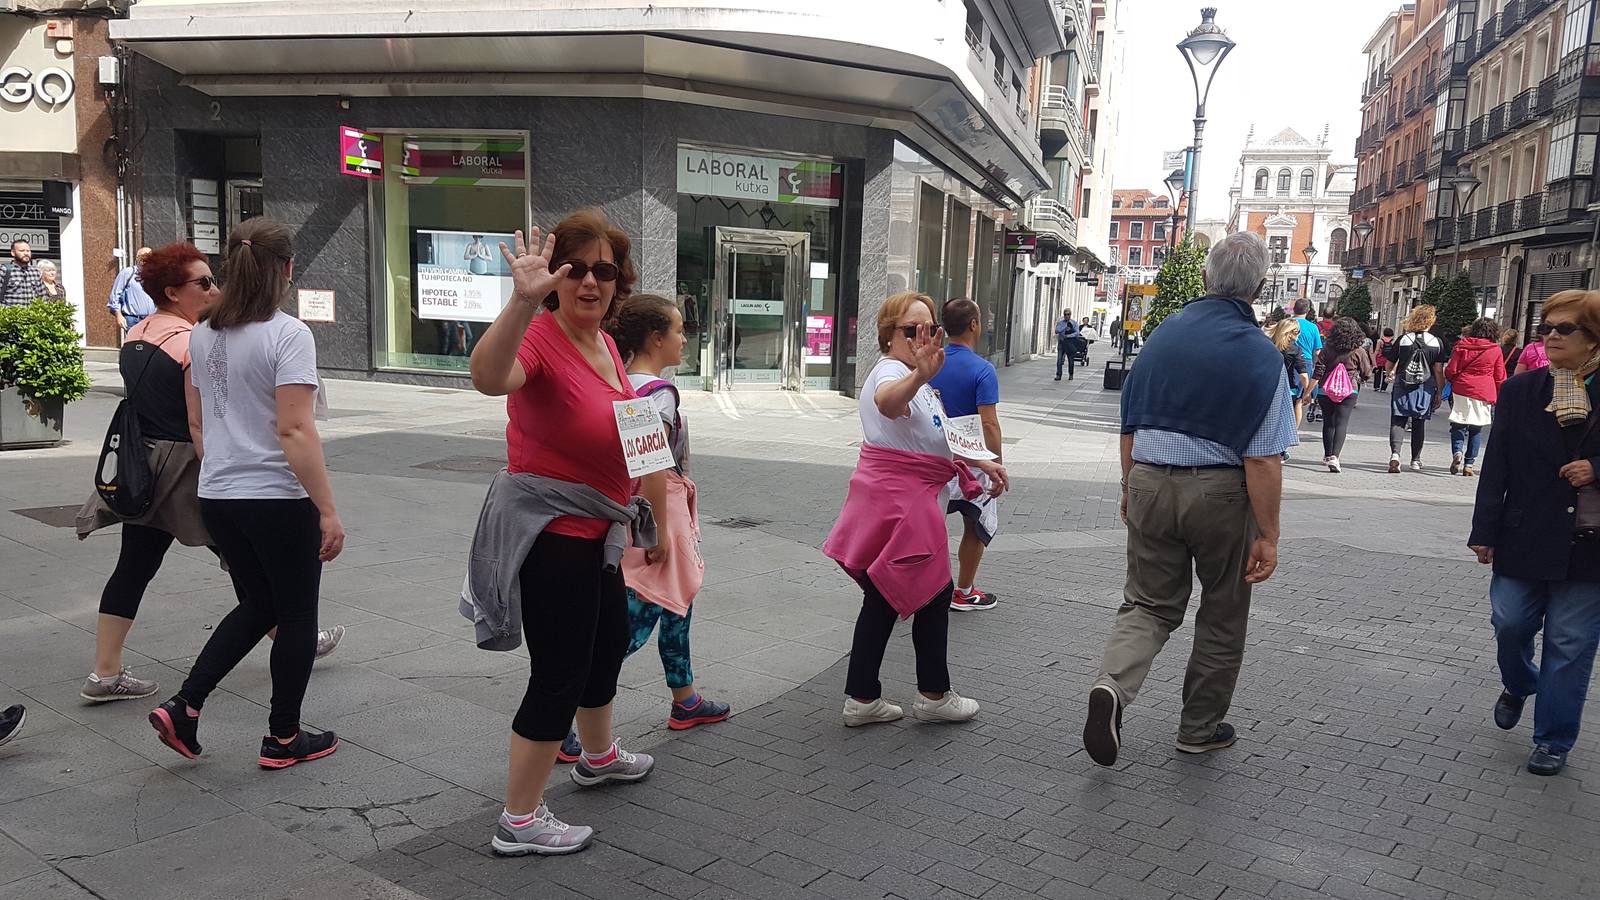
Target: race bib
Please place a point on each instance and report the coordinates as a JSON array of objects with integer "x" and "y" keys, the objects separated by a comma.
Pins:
[
  {"x": 965, "y": 437},
  {"x": 644, "y": 440}
]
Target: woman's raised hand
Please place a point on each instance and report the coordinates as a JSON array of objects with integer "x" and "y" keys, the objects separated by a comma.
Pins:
[
  {"x": 928, "y": 351},
  {"x": 530, "y": 266}
]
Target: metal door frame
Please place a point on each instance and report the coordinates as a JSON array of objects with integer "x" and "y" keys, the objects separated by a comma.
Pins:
[{"x": 796, "y": 246}]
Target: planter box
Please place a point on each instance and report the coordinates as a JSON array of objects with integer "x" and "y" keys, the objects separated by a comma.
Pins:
[{"x": 26, "y": 424}]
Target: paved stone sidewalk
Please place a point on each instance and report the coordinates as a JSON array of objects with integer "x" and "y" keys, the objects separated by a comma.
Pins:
[{"x": 1367, "y": 764}]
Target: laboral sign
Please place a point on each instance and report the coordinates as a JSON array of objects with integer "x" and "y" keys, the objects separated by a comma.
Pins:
[{"x": 717, "y": 173}]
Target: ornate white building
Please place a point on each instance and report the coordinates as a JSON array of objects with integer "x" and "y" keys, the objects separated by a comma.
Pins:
[{"x": 1288, "y": 191}]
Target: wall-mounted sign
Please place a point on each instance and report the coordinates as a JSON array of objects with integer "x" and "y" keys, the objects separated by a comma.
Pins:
[
  {"x": 716, "y": 173},
  {"x": 1021, "y": 241},
  {"x": 758, "y": 307},
  {"x": 461, "y": 275},
  {"x": 479, "y": 162},
  {"x": 1048, "y": 270},
  {"x": 315, "y": 305},
  {"x": 37, "y": 238},
  {"x": 360, "y": 153},
  {"x": 58, "y": 198},
  {"x": 53, "y": 86}
]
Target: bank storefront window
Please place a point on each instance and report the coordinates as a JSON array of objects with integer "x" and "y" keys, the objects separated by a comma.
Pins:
[
  {"x": 442, "y": 207},
  {"x": 758, "y": 269}
]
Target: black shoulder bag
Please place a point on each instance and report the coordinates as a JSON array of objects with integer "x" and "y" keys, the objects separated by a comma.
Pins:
[
  {"x": 1586, "y": 522},
  {"x": 122, "y": 476}
]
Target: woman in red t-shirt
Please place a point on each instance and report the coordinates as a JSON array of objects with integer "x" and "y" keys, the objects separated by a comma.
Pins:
[{"x": 561, "y": 373}]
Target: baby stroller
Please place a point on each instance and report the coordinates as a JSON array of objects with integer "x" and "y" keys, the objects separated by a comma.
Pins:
[{"x": 1078, "y": 346}]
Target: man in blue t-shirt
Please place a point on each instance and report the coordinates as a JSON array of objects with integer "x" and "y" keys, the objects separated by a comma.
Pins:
[
  {"x": 968, "y": 386},
  {"x": 1309, "y": 342}
]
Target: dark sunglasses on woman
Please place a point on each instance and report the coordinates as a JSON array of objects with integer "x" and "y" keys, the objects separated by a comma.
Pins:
[
  {"x": 1565, "y": 329},
  {"x": 910, "y": 331},
  {"x": 603, "y": 271},
  {"x": 206, "y": 282}
]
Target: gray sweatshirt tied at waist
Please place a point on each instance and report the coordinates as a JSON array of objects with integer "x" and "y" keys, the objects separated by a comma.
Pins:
[{"x": 517, "y": 510}]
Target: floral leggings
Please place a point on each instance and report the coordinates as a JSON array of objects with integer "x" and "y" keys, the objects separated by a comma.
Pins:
[{"x": 673, "y": 642}]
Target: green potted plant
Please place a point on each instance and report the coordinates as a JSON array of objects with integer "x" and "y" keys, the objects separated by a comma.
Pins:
[{"x": 41, "y": 370}]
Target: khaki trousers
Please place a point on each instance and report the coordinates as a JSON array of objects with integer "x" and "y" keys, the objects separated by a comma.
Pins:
[{"x": 1184, "y": 522}]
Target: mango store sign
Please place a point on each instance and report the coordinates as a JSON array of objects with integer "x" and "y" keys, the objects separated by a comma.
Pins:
[{"x": 717, "y": 173}]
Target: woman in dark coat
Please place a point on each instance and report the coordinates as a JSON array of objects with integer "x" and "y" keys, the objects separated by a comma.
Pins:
[{"x": 1531, "y": 523}]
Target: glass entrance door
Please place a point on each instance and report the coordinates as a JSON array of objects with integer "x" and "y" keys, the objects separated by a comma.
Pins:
[{"x": 760, "y": 309}]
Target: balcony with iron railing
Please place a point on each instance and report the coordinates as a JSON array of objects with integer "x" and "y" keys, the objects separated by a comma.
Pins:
[
  {"x": 1056, "y": 110},
  {"x": 1391, "y": 255},
  {"x": 1411, "y": 106},
  {"x": 1050, "y": 216},
  {"x": 1520, "y": 112},
  {"x": 1545, "y": 103},
  {"x": 1419, "y": 166},
  {"x": 1410, "y": 254},
  {"x": 1382, "y": 186},
  {"x": 1497, "y": 121},
  {"x": 975, "y": 42},
  {"x": 1476, "y": 133}
]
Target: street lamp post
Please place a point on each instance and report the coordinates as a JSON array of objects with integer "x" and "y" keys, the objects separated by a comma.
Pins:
[
  {"x": 1203, "y": 49},
  {"x": 1310, "y": 253},
  {"x": 1464, "y": 184},
  {"x": 1276, "y": 270},
  {"x": 1175, "y": 191},
  {"x": 1363, "y": 230}
]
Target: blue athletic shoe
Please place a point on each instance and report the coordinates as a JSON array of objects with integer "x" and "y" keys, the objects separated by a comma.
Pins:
[{"x": 704, "y": 712}]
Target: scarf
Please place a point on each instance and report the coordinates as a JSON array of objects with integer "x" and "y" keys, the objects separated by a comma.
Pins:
[{"x": 1570, "y": 399}]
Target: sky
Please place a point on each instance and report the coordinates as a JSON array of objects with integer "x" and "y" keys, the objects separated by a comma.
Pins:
[{"x": 1297, "y": 64}]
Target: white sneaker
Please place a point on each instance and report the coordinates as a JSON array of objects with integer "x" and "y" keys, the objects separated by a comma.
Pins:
[
  {"x": 328, "y": 640},
  {"x": 952, "y": 707},
  {"x": 546, "y": 835},
  {"x": 1416, "y": 465},
  {"x": 1333, "y": 465},
  {"x": 879, "y": 710}
]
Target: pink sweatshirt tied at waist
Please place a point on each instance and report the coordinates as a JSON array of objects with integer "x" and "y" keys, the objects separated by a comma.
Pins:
[{"x": 892, "y": 530}]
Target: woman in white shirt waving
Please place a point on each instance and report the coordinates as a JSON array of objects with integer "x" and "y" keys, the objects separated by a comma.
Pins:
[{"x": 264, "y": 492}]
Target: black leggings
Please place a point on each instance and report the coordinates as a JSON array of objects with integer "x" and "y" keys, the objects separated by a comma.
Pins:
[
  {"x": 143, "y": 549},
  {"x": 1397, "y": 434},
  {"x": 575, "y": 616},
  {"x": 271, "y": 547},
  {"x": 1335, "y": 422},
  {"x": 930, "y": 635}
]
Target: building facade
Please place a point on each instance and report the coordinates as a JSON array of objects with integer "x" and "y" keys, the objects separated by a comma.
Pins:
[
  {"x": 1393, "y": 170},
  {"x": 1288, "y": 190},
  {"x": 58, "y": 171},
  {"x": 1520, "y": 114},
  {"x": 1144, "y": 226},
  {"x": 778, "y": 179},
  {"x": 1073, "y": 103}
]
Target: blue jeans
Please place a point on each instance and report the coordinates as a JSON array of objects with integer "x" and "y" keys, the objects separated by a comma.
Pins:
[
  {"x": 132, "y": 320},
  {"x": 1465, "y": 439},
  {"x": 1569, "y": 614}
]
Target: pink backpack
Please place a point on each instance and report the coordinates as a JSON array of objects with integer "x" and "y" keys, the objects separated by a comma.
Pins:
[{"x": 1338, "y": 385}]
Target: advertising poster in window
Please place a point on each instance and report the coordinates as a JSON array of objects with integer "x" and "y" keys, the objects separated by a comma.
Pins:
[
  {"x": 461, "y": 275},
  {"x": 819, "y": 340}
]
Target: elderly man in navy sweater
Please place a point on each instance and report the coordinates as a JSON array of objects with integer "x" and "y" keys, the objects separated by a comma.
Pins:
[{"x": 1206, "y": 417}]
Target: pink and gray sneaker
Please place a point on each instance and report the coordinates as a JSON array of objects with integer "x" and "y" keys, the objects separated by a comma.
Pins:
[{"x": 539, "y": 834}]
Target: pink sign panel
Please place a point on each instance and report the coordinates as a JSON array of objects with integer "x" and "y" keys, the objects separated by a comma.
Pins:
[
  {"x": 819, "y": 340},
  {"x": 360, "y": 153}
]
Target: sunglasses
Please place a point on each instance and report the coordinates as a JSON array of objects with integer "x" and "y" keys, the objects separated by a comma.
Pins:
[
  {"x": 910, "y": 331},
  {"x": 1565, "y": 329},
  {"x": 206, "y": 282},
  {"x": 603, "y": 271}
]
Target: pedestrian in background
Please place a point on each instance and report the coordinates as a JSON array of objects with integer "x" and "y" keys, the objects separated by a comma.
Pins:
[
  {"x": 547, "y": 552},
  {"x": 890, "y": 537},
  {"x": 1116, "y": 333},
  {"x": 1510, "y": 349},
  {"x": 129, "y": 302},
  {"x": 1206, "y": 418},
  {"x": 1285, "y": 336},
  {"x": 1476, "y": 370},
  {"x": 20, "y": 282},
  {"x": 1343, "y": 366},
  {"x": 1532, "y": 359},
  {"x": 1418, "y": 382},
  {"x": 50, "y": 282},
  {"x": 1310, "y": 343},
  {"x": 1381, "y": 361},
  {"x": 967, "y": 385},
  {"x": 1537, "y": 521},
  {"x": 264, "y": 492},
  {"x": 1066, "y": 335}
]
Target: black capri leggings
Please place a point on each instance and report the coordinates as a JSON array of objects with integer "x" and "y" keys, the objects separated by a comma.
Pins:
[
  {"x": 143, "y": 549},
  {"x": 575, "y": 617},
  {"x": 1335, "y": 422}
]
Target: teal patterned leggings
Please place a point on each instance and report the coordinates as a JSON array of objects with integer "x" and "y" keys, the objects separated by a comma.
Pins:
[{"x": 673, "y": 642}]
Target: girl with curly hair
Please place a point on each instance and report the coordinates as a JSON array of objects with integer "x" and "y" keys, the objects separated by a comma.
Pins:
[{"x": 1342, "y": 367}]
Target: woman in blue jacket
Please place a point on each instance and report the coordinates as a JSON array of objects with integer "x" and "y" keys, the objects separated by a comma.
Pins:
[{"x": 1531, "y": 523}]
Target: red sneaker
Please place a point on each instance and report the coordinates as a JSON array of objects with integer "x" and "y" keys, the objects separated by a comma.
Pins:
[{"x": 975, "y": 599}]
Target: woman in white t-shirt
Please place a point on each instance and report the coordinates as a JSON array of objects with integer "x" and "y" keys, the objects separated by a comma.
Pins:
[
  {"x": 264, "y": 492},
  {"x": 890, "y": 536}
]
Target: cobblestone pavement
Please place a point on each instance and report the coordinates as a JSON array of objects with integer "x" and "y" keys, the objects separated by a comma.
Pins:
[{"x": 1367, "y": 765}]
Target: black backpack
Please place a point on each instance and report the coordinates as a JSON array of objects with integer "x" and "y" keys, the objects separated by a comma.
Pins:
[{"x": 122, "y": 476}]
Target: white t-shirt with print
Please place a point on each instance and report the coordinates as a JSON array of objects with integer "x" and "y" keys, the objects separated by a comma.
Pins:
[
  {"x": 920, "y": 431},
  {"x": 664, "y": 401},
  {"x": 238, "y": 372}
]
